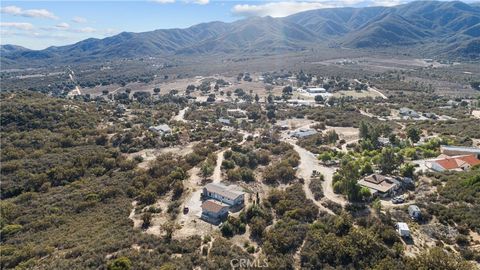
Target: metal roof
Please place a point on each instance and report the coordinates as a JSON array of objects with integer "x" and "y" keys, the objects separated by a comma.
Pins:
[
  {"x": 403, "y": 226},
  {"x": 223, "y": 190},
  {"x": 460, "y": 148}
]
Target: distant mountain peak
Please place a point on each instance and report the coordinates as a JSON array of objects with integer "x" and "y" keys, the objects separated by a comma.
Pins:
[{"x": 447, "y": 24}]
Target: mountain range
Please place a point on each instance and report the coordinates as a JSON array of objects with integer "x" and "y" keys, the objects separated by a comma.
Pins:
[{"x": 449, "y": 28}]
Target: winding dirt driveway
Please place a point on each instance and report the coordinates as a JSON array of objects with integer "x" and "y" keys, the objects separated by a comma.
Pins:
[{"x": 309, "y": 163}]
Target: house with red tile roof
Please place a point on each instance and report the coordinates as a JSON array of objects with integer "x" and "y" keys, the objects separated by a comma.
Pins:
[{"x": 455, "y": 163}]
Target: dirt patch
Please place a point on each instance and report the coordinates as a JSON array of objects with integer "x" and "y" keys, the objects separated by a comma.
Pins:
[
  {"x": 151, "y": 154},
  {"x": 476, "y": 113}
]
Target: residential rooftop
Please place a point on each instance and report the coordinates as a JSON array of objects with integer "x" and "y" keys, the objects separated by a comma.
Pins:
[{"x": 227, "y": 192}]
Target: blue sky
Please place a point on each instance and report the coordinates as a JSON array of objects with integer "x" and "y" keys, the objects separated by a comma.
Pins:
[{"x": 39, "y": 24}]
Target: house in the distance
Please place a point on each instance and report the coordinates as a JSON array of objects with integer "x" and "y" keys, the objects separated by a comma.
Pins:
[
  {"x": 380, "y": 185},
  {"x": 303, "y": 133},
  {"x": 454, "y": 163},
  {"x": 408, "y": 113},
  {"x": 224, "y": 121},
  {"x": 225, "y": 194},
  {"x": 316, "y": 90},
  {"x": 162, "y": 129},
  {"x": 459, "y": 150},
  {"x": 214, "y": 211}
]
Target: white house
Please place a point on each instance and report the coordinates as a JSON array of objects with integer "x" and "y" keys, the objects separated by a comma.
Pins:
[
  {"x": 161, "y": 129},
  {"x": 224, "y": 194},
  {"x": 455, "y": 163},
  {"x": 316, "y": 90}
]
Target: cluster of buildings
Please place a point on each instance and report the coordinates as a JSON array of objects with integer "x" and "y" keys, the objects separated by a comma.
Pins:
[
  {"x": 409, "y": 114},
  {"x": 453, "y": 158},
  {"x": 219, "y": 200}
]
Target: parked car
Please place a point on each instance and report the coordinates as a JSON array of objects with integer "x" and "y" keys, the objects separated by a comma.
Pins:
[
  {"x": 398, "y": 199},
  {"x": 185, "y": 210}
]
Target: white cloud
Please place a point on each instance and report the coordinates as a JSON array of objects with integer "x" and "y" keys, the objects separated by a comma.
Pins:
[
  {"x": 110, "y": 32},
  {"x": 284, "y": 8},
  {"x": 164, "y": 1},
  {"x": 17, "y": 25},
  {"x": 62, "y": 26},
  {"x": 77, "y": 19},
  {"x": 277, "y": 9},
  {"x": 386, "y": 3},
  {"x": 32, "y": 13},
  {"x": 201, "y": 2},
  {"x": 85, "y": 30}
]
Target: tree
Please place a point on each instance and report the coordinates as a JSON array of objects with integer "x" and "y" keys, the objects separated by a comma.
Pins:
[
  {"x": 206, "y": 170},
  {"x": 475, "y": 85},
  {"x": 408, "y": 170},
  {"x": 287, "y": 90},
  {"x": 257, "y": 98},
  {"x": 270, "y": 99},
  {"x": 363, "y": 130},
  {"x": 211, "y": 98},
  {"x": 147, "y": 219},
  {"x": 120, "y": 263},
  {"x": 169, "y": 228},
  {"x": 413, "y": 134},
  {"x": 156, "y": 90},
  {"x": 388, "y": 160}
]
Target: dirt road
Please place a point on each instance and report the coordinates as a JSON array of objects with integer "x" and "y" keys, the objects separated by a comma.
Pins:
[
  {"x": 308, "y": 163},
  {"x": 217, "y": 172},
  {"x": 181, "y": 115},
  {"x": 378, "y": 92}
]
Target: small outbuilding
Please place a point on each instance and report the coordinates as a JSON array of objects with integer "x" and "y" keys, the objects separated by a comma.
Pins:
[{"x": 403, "y": 230}]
